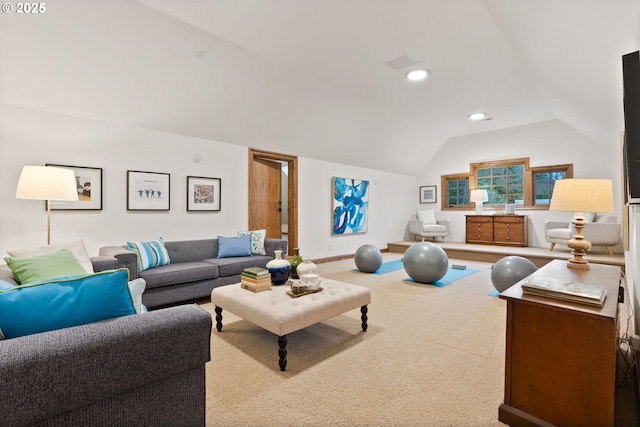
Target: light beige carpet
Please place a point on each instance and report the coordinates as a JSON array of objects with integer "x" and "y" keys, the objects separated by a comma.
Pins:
[{"x": 431, "y": 357}]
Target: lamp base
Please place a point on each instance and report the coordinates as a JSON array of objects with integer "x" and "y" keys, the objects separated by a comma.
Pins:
[
  {"x": 579, "y": 246},
  {"x": 479, "y": 208}
]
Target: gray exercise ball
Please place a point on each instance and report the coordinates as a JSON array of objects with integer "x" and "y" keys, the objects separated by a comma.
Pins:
[
  {"x": 425, "y": 262},
  {"x": 368, "y": 258},
  {"x": 510, "y": 270}
]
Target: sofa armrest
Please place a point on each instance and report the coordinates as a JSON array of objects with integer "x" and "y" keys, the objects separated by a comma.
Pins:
[
  {"x": 124, "y": 259},
  {"x": 51, "y": 373},
  {"x": 271, "y": 245},
  {"x": 102, "y": 263}
]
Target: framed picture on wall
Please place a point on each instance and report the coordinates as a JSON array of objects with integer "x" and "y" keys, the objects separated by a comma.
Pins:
[
  {"x": 203, "y": 194},
  {"x": 89, "y": 184},
  {"x": 148, "y": 191},
  {"x": 349, "y": 206},
  {"x": 428, "y": 194}
]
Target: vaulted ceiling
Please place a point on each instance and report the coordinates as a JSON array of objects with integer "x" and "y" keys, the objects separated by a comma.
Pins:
[{"x": 312, "y": 77}]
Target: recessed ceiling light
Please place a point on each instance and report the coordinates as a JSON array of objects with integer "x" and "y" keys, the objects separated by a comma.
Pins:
[
  {"x": 419, "y": 74},
  {"x": 476, "y": 117}
]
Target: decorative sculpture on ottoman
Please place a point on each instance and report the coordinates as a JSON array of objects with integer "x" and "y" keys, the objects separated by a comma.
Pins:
[
  {"x": 510, "y": 270},
  {"x": 425, "y": 262},
  {"x": 368, "y": 258}
]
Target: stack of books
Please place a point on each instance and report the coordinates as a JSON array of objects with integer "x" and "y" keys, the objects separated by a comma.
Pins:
[
  {"x": 255, "y": 279},
  {"x": 583, "y": 293}
]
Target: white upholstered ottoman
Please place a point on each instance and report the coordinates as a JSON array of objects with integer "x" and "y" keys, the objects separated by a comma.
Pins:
[{"x": 281, "y": 314}]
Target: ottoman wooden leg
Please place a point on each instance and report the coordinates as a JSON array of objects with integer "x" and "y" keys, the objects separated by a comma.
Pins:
[
  {"x": 364, "y": 317},
  {"x": 282, "y": 352},
  {"x": 218, "y": 311}
]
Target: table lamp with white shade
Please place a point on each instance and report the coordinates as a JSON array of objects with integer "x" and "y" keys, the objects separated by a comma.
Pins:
[
  {"x": 479, "y": 197},
  {"x": 47, "y": 183},
  {"x": 579, "y": 196}
]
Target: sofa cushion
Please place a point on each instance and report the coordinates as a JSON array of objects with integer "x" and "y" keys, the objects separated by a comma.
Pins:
[
  {"x": 65, "y": 302},
  {"x": 192, "y": 250},
  {"x": 43, "y": 267},
  {"x": 257, "y": 240},
  {"x": 232, "y": 266},
  {"x": 76, "y": 247},
  {"x": 183, "y": 272},
  {"x": 150, "y": 254},
  {"x": 234, "y": 246}
]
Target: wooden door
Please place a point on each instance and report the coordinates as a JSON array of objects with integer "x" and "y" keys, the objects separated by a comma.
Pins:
[
  {"x": 265, "y": 203},
  {"x": 258, "y": 161}
]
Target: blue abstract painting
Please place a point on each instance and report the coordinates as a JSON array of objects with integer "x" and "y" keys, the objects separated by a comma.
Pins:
[{"x": 350, "y": 205}]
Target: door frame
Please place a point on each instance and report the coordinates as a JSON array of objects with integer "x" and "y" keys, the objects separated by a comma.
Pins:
[{"x": 292, "y": 183}]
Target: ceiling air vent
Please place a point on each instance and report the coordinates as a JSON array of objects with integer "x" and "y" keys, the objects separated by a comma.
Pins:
[{"x": 400, "y": 62}]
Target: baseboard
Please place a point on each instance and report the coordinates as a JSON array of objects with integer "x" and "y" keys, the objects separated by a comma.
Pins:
[{"x": 340, "y": 257}]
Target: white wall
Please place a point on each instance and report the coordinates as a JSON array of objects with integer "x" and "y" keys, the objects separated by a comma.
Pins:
[
  {"x": 546, "y": 143},
  {"x": 35, "y": 138}
]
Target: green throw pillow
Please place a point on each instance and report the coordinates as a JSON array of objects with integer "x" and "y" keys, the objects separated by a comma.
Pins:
[{"x": 44, "y": 267}]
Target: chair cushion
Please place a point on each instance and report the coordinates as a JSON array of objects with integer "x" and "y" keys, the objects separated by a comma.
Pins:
[
  {"x": 427, "y": 216},
  {"x": 559, "y": 233},
  {"x": 433, "y": 228}
]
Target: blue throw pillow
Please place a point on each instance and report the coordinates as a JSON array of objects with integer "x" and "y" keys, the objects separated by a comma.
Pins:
[
  {"x": 65, "y": 302},
  {"x": 234, "y": 246},
  {"x": 150, "y": 254}
]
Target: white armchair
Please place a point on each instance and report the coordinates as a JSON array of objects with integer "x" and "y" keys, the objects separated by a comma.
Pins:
[
  {"x": 430, "y": 227},
  {"x": 603, "y": 231}
]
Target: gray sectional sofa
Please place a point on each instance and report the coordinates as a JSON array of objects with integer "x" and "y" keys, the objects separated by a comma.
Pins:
[
  {"x": 145, "y": 369},
  {"x": 194, "y": 269}
]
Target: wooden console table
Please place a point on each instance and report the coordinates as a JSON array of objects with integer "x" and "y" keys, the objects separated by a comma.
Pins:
[
  {"x": 560, "y": 366},
  {"x": 510, "y": 230}
]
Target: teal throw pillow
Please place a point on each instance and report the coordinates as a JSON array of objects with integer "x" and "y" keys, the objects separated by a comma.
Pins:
[
  {"x": 150, "y": 254},
  {"x": 43, "y": 267},
  {"x": 234, "y": 246},
  {"x": 65, "y": 302}
]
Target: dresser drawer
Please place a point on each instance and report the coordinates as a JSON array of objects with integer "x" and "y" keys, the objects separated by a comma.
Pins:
[{"x": 509, "y": 219}]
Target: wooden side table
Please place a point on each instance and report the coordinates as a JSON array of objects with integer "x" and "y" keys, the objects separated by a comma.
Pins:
[{"x": 560, "y": 366}]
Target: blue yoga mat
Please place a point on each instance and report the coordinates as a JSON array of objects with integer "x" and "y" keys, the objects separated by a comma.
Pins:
[
  {"x": 451, "y": 276},
  {"x": 388, "y": 267}
]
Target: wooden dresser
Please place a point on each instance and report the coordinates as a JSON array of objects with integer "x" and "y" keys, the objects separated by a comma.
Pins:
[
  {"x": 510, "y": 230},
  {"x": 560, "y": 366}
]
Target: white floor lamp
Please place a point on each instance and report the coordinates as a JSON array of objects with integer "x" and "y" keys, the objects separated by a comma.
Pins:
[{"x": 47, "y": 183}]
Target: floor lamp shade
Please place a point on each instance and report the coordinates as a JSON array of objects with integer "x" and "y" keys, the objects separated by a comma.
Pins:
[
  {"x": 47, "y": 183},
  {"x": 580, "y": 196}
]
